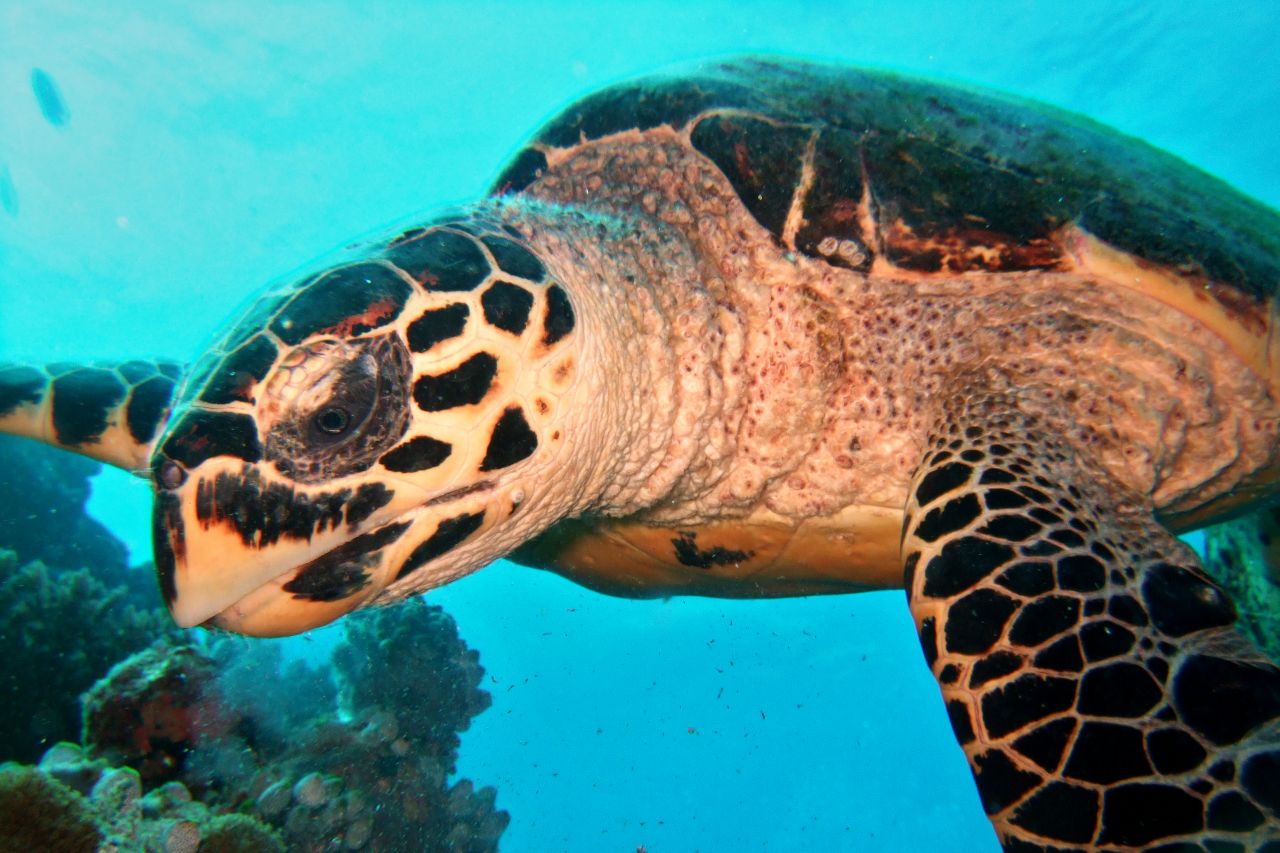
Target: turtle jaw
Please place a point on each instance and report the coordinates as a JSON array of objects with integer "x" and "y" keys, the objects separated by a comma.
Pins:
[
  {"x": 232, "y": 533},
  {"x": 217, "y": 571},
  {"x": 280, "y": 608}
]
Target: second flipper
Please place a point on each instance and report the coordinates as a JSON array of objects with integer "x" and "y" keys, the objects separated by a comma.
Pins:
[{"x": 112, "y": 413}]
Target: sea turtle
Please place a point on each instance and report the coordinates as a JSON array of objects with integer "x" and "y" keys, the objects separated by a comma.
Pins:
[{"x": 765, "y": 328}]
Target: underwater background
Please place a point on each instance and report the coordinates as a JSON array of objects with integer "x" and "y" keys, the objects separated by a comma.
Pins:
[{"x": 159, "y": 161}]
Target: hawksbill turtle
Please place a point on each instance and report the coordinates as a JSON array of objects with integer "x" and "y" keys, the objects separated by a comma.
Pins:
[{"x": 765, "y": 328}]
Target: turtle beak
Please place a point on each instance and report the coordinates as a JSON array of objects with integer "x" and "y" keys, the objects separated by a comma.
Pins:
[
  {"x": 232, "y": 548},
  {"x": 205, "y": 568}
]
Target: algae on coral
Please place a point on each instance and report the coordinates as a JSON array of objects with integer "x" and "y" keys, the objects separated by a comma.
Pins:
[
  {"x": 237, "y": 833},
  {"x": 40, "y": 813}
]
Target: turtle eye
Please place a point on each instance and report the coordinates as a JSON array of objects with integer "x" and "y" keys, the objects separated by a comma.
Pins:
[
  {"x": 348, "y": 404},
  {"x": 332, "y": 420}
]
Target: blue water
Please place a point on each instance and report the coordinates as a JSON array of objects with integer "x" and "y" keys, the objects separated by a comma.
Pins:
[{"x": 172, "y": 157}]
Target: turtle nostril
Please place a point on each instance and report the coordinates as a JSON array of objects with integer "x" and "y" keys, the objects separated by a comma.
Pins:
[{"x": 170, "y": 475}]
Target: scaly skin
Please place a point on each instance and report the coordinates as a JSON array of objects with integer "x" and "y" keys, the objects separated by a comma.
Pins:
[
  {"x": 110, "y": 412},
  {"x": 1091, "y": 669}
]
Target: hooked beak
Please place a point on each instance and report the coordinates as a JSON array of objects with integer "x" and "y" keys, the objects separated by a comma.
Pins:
[{"x": 262, "y": 557}]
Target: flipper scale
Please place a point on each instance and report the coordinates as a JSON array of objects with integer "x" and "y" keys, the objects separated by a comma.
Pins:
[{"x": 1093, "y": 671}]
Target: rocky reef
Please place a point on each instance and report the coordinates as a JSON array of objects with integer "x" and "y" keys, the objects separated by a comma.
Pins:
[{"x": 195, "y": 742}]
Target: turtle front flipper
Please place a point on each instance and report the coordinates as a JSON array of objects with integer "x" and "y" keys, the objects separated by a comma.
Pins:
[
  {"x": 112, "y": 413},
  {"x": 1092, "y": 672}
]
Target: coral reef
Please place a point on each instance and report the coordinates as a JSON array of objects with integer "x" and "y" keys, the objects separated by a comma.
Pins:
[
  {"x": 59, "y": 631},
  {"x": 152, "y": 708},
  {"x": 277, "y": 698},
  {"x": 211, "y": 744},
  {"x": 409, "y": 658},
  {"x": 69, "y": 605},
  {"x": 40, "y": 813},
  {"x": 237, "y": 833},
  {"x": 242, "y": 732},
  {"x": 75, "y": 803}
]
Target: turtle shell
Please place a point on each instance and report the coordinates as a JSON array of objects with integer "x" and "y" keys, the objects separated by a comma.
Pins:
[{"x": 959, "y": 179}]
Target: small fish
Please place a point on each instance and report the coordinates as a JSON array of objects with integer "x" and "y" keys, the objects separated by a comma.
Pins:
[
  {"x": 8, "y": 192},
  {"x": 50, "y": 99}
]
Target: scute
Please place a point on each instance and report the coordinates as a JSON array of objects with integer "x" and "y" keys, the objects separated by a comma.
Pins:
[
  {"x": 346, "y": 301},
  {"x": 959, "y": 180},
  {"x": 762, "y": 160},
  {"x": 642, "y": 105},
  {"x": 441, "y": 260}
]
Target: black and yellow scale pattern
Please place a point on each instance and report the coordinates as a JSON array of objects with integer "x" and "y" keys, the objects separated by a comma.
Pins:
[
  {"x": 416, "y": 301},
  {"x": 1091, "y": 669},
  {"x": 112, "y": 412}
]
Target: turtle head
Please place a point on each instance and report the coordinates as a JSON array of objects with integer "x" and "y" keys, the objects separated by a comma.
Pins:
[{"x": 364, "y": 433}]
